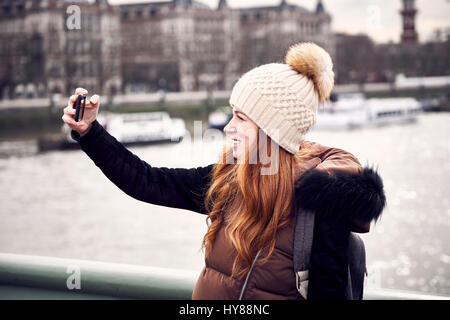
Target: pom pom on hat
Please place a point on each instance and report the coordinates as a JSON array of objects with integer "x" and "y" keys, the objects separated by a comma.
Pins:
[{"x": 315, "y": 63}]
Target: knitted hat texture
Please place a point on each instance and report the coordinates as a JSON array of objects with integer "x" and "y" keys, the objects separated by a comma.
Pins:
[{"x": 283, "y": 98}]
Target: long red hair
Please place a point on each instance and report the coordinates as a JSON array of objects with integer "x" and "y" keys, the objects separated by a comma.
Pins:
[{"x": 261, "y": 204}]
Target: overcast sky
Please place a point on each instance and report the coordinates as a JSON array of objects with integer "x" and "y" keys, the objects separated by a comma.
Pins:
[{"x": 378, "y": 18}]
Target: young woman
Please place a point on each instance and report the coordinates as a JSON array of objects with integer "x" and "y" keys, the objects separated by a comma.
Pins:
[{"x": 252, "y": 194}]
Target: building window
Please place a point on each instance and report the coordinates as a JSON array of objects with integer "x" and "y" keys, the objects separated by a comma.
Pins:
[
  {"x": 20, "y": 8},
  {"x": 6, "y": 9}
]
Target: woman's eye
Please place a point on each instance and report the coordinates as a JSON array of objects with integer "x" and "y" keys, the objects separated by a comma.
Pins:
[{"x": 240, "y": 118}]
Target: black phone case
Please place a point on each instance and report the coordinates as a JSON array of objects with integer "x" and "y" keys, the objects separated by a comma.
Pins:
[{"x": 80, "y": 104}]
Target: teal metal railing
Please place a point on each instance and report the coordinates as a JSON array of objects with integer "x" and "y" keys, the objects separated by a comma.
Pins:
[{"x": 36, "y": 277}]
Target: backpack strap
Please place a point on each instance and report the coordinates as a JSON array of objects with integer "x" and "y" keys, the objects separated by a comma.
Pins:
[{"x": 303, "y": 238}]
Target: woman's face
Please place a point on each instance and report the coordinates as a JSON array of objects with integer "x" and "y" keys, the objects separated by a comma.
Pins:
[{"x": 242, "y": 131}]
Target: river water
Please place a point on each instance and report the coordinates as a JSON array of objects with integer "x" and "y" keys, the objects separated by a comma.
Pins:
[{"x": 60, "y": 204}]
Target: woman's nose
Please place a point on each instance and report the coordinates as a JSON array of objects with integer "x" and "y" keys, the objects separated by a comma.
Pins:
[{"x": 229, "y": 128}]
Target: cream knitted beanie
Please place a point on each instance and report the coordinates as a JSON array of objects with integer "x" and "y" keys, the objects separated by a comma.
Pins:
[{"x": 282, "y": 99}]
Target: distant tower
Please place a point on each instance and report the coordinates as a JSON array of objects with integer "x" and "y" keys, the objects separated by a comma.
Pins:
[
  {"x": 223, "y": 4},
  {"x": 319, "y": 7},
  {"x": 283, "y": 5},
  {"x": 408, "y": 13}
]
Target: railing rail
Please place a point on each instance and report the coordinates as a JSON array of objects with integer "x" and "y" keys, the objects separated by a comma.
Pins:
[{"x": 36, "y": 277}]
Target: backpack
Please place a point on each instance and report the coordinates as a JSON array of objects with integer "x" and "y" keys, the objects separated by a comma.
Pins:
[{"x": 303, "y": 238}]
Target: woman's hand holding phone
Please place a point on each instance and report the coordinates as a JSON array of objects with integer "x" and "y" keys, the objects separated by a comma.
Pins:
[{"x": 90, "y": 112}]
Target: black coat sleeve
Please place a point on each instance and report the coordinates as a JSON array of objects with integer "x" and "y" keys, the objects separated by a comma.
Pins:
[
  {"x": 337, "y": 200},
  {"x": 172, "y": 187},
  {"x": 319, "y": 192}
]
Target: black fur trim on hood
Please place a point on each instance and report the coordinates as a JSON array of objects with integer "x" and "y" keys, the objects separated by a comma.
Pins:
[{"x": 342, "y": 194}]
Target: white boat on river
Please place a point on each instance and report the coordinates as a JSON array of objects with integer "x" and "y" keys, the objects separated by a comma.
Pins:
[
  {"x": 137, "y": 128},
  {"x": 353, "y": 110}
]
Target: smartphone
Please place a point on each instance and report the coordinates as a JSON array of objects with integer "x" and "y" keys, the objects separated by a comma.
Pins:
[{"x": 79, "y": 106}]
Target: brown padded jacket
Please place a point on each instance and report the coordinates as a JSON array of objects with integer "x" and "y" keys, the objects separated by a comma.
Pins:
[{"x": 275, "y": 279}]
